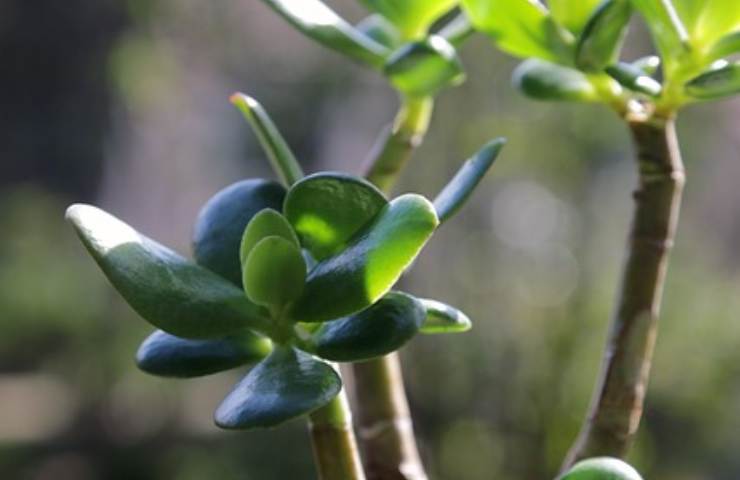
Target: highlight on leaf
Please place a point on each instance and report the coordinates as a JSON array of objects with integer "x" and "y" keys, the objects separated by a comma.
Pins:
[
  {"x": 442, "y": 318},
  {"x": 274, "y": 272}
]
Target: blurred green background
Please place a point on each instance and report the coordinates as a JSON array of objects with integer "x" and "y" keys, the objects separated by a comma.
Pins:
[{"x": 124, "y": 104}]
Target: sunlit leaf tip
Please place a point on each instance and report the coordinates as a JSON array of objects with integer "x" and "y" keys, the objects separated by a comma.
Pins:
[{"x": 443, "y": 318}]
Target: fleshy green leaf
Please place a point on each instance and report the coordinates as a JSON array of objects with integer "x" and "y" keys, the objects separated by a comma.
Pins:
[
  {"x": 378, "y": 330},
  {"x": 424, "y": 67},
  {"x": 602, "y": 37},
  {"x": 220, "y": 224},
  {"x": 442, "y": 318},
  {"x": 601, "y": 468},
  {"x": 274, "y": 272},
  {"x": 266, "y": 223},
  {"x": 411, "y": 17},
  {"x": 718, "y": 83},
  {"x": 170, "y": 356},
  {"x": 706, "y": 21},
  {"x": 573, "y": 14},
  {"x": 634, "y": 79},
  {"x": 370, "y": 265},
  {"x": 725, "y": 47},
  {"x": 167, "y": 290},
  {"x": 547, "y": 81},
  {"x": 649, "y": 64},
  {"x": 668, "y": 32},
  {"x": 281, "y": 157},
  {"x": 382, "y": 31},
  {"x": 327, "y": 209},
  {"x": 523, "y": 28},
  {"x": 456, "y": 192},
  {"x": 287, "y": 384},
  {"x": 319, "y": 22}
]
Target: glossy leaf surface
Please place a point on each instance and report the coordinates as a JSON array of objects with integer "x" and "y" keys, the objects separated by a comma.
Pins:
[
  {"x": 319, "y": 22},
  {"x": 170, "y": 356},
  {"x": 601, "y": 40},
  {"x": 454, "y": 195},
  {"x": 287, "y": 384},
  {"x": 718, "y": 83},
  {"x": 167, "y": 290},
  {"x": 220, "y": 224},
  {"x": 547, "y": 81},
  {"x": 370, "y": 265},
  {"x": 274, "y": 272},
  {"x": 442, "y": 318},
  {"x": 266, "y": 223},
  {"x": 634, "y": 79},
  {"x": 327, "y": 209},
  {"x": 601, "y": 468},
  {"x": 423, "y": 68},
  {"x": 411, "y": 17},
  {"x": 378, "y": 330}
]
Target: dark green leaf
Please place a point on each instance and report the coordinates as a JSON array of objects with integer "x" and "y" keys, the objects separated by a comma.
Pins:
[
  {"x": 601, "y": 468},
  {"x": 442, "y": 318},
  {"x": 722, "y": 82},
  {"x": 382, "y": 31},
  {"x": 378, "y": 330},
  {"x": 327, "y": 209},
  {"x": 283, "y": 161},
  {"x": 457, "y": 191},
  {"x": 371, "y": 264},
  {"x": 169, "y": 356},
  {"x": 602, "y": 37},
  {"x": 221, "y": 222},
  {"x": 287, "y": 384},
  {"x": 547, "y": 81},
  {"x": 167, "y": 290},
  {"x": 319, "y": 22},
  {"x": 266, "y": 223},
  {"x": 274, "y": 272},
  {"x": 634, "y": 79},
  {"x": 424, "y": 67}
]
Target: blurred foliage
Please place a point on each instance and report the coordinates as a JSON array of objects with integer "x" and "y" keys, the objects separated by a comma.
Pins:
[{"x": 532, "y": 260}]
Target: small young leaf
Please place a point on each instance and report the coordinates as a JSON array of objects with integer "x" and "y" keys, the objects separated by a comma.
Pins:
[
  {"x": 718, "y": 83},
  {"x": 319, "y": 22},
  {"x": 376, "y": 331},
  {"x": 442, "y": 318},
  {"x": 649, "y": 64},
  {"x": 283, "y": 161},
  {"x": 170, "y": 356},
  {"x": 456, "y": 192},
  {"x": 371, "y": 264},
  {"x": 220, "y": 224},
  {"x": 274, "y": 272},
  {"x": 286, "y": 385},
  {"x": 266, "y": 223},
  {"x": 412, "y": 17},
  {"x": 547, "y": 81},
  {"x": 572, "y": 14},
  {"x": 425, "y": 67},
  {"x": 327, "y": 209},
  {"x": 602, "y": 37},
  {"x": 634, "y": 79},
  {"x": 382, "y": 31},
  {"x": 167, "y": 290},
  {"x": 601, "y": 468}
]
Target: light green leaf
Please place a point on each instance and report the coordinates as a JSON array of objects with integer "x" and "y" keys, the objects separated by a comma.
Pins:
[
  {"x": 708, "y": 20},
  {"x": 725, "y": 47},
  {"x": 423, "y": 68},
  {"x": 668, "y": 32},
  {"x": 170, "y": 356},
  {"x": 376, "y": 331},
  {"x": 371, "y": 264},
  {"x": 602, "y": 37},
  {"x": 286, "y": 385},
  {"x": 635, "y": 79},
  {"x": 601, "y": 468},
  {"x": 327, "y": 209},
  {"x": 220, "y": 224},
  {"x": 442, "y": 318},
  {"x": 572, "y": 14},
  {"x": 167, "y": 290},
  {"x": 266, "y": 223},
  {"x": 454, "y": 195},
  {"x": 274, "y": 272},
  {"x": 412, "y": 17},
  {"x": 283, "y": 161},
  {"x": 547, "y": 81},
  {"x": 319, "y": 22},
  {"x": 717, "y": 83}
]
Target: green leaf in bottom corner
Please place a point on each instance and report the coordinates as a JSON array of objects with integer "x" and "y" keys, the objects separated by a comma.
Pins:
[
  {"x": 287, "y": 384},
  {"x": 717, "y": 83},
  {"x": 170, "y": 356},
  {"x": 547, "y": 81},
  {"x": 167, "y": 290},
  {"x": 601, "y": 468},
  {"x": 442, "y": 318},
  {"x": 378, "y": 330},
  {"x": 274, "y": 272}
]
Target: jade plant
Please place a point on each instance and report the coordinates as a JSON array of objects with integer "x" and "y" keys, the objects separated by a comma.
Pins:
[
  {"x": 291, "y": 276},
  {"x": 572, "y": 52}
]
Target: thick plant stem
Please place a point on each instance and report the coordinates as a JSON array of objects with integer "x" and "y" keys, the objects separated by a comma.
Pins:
[
  {"x": 617, "y": 405},
  {"x": 333, "y": 441},
  {"x": 384, "y": 423}
]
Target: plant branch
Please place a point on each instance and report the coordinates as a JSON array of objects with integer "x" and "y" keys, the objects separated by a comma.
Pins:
[{"x": 617, "y": 405}]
